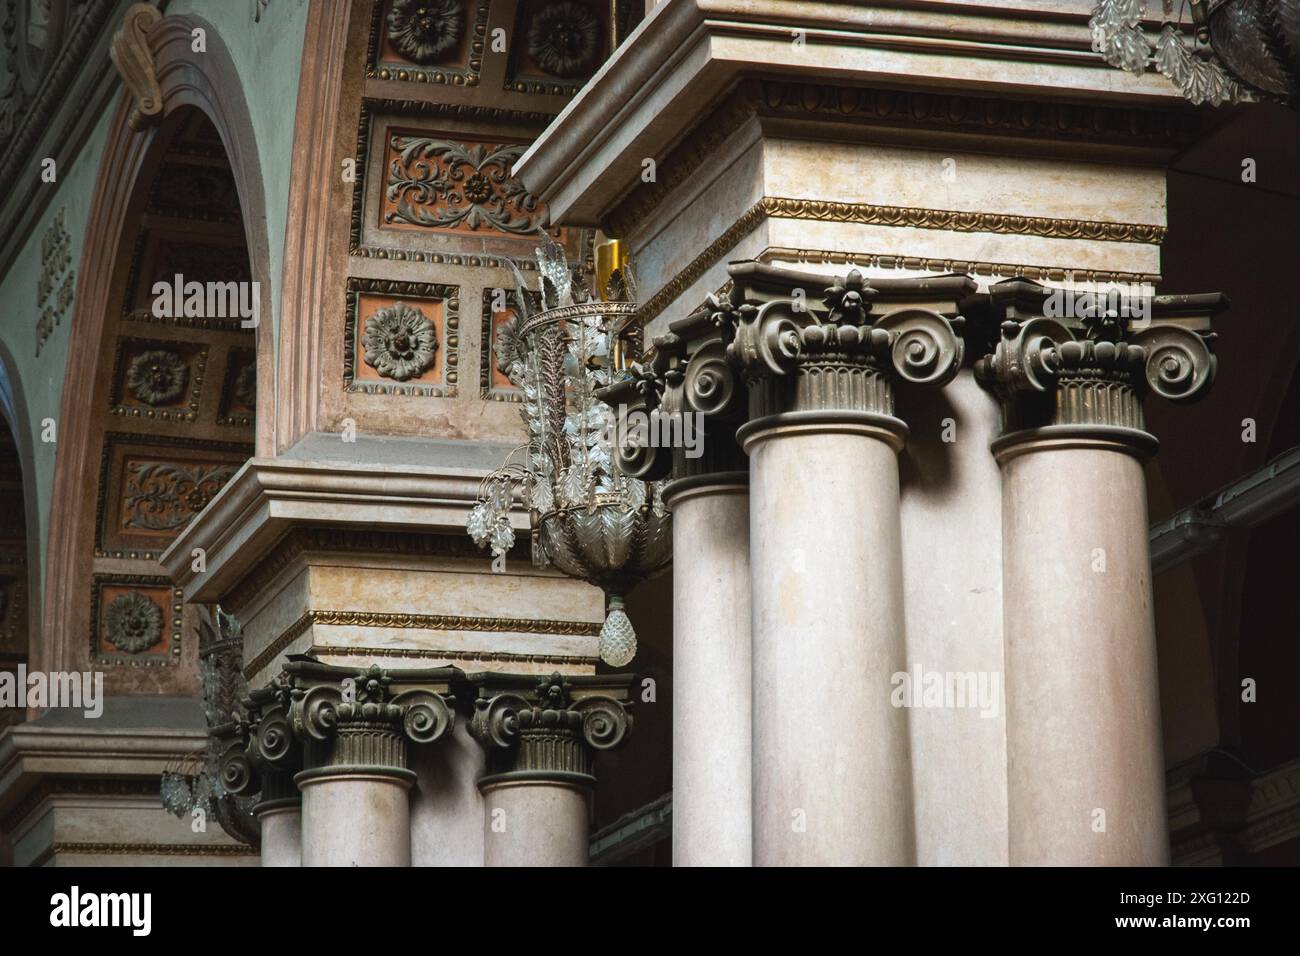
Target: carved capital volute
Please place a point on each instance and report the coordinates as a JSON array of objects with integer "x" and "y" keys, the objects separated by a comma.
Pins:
[{"x": 548, "y": 730}]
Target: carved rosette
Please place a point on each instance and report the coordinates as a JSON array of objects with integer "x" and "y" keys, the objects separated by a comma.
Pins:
[
  {"x": 548, "y": 730},
  {"x": 425, "y": 31},
  {"x": 1093, "y": 372}
]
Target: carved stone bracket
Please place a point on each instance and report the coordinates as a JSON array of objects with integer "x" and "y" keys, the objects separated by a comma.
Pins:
[
  {"x": 1092, "y": 367},
  {"x": 131, "y": 55},
  {"x": 548, "y": 729}
]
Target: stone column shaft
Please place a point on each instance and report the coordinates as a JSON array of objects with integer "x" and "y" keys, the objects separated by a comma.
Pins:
[
  {"x": 832, "y": 782},
  {"x": 712, "y": 677},
  {"x": 540, "y": 737},
  {"x": 1085, "y": 760}
]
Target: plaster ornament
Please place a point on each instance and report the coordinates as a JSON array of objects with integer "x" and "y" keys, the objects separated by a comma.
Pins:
[
  {"x": 157, "y": 377},
  {"x": 425, "y": 30},
  {"x": 400, "y": 342},
  {"x": 133, "y": 623},
  {"x": 564, "y": 38}
]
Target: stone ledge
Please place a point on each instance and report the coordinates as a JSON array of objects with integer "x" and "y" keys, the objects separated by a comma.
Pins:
[{"x": 268, "y": 496}]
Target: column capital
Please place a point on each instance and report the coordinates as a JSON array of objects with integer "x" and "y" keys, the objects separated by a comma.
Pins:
[
  {"x": 547, "y": 729},
  {"x": 1072, "y": 368},
  {"x": 825, "y": 353},
  {"x": 690, "y": 384},
  {"x": 318, "y": 720}
]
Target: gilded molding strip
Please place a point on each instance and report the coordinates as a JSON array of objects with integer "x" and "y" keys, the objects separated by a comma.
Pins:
[
  {"x": 431, "y": 622},
  {"x": 956, "y": 221},
  {"x": 326, "y": 650},
  {"x": 702, "y": 263},
  {"x": 151, "y": 849},
  {"x": 915, "y": 217},
  {"x": 1003, "y": 270}
]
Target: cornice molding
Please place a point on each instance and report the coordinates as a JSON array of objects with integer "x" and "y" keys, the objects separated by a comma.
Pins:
[
  {"x": 1021, "y": 126},
  {"x": 691, "y": 53},
  {"x": 267, "y": 497}
]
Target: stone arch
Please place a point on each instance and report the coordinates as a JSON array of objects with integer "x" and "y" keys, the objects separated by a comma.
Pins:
[{"x": 206, "y": 82}]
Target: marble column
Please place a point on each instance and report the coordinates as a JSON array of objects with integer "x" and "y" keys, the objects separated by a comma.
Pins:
[
  {"x": 1085, "y": 763},
  {"x": 691, "y": 380},
  {"x": 355, "y": 802},
  {"x": 541, "y": 737},
  {"x": 279, "y": 815},
  {"x": 712, "y": 766},
  {"x": 831, "y": 763}
]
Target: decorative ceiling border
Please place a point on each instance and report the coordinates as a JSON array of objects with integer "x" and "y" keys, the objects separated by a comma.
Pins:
[
  {"x": 428, "y": 622},
  {"x": 906, "y": 216}
]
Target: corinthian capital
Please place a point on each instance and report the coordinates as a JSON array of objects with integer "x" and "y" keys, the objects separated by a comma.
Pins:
[
  {"x": 327, "y": 719},
  {"x": 845, "y": 352},
  {"x": 548, "y": 728},
  {"x": 1093, "y": 365}
]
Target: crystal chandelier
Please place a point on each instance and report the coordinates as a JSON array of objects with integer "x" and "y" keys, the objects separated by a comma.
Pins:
[
  {"x": 1243, "y": 49},
  {"x": 588, "y": 519}
]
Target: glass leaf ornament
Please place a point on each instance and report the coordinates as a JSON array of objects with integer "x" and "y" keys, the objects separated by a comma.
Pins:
[{"x": 590, "y": 520}]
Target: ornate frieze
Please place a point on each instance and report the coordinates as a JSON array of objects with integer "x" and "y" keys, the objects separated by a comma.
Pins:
[
  {"x": 447, "y": 185},
  {"x": 151, "y": 486},
  {"x": 548, "y": 729},
  {"x": 1087, "y": 359}
]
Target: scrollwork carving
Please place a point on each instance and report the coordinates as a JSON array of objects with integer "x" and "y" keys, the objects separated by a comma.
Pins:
[
  {"x": 133, "y": 58},
  {"x": 924, "y": 346},
  {"x": 1179, "y": 365},
  {"x": 1095, "y": 369},
  {"x": 605, "y": 722},
  {"x": 425, "y": 715}
]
